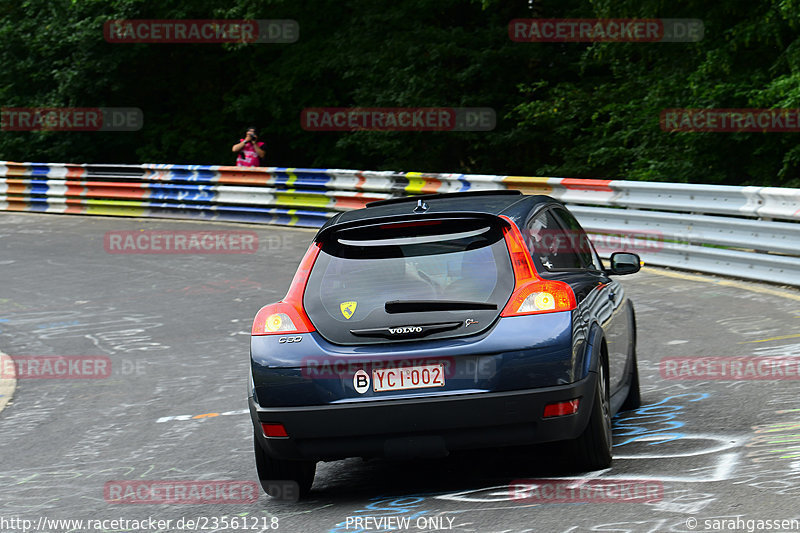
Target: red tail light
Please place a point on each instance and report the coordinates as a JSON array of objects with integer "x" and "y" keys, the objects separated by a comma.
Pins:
[
  {"x": 274, "y": 430},
  {"x": 532, "y": 294},
  {"x": 288, "y": 315},
  {"x": 561, "y": 408}
]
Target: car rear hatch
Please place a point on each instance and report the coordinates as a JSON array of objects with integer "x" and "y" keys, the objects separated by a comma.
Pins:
[{"x": 409, "y": 279}]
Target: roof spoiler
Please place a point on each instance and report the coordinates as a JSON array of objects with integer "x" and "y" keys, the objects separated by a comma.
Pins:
[
  {"x": 408, "y": 217},
  {"x": 424, "y": 197}
]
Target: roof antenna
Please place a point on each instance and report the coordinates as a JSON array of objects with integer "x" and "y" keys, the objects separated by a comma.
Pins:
[{"x": 421, "y": 206}]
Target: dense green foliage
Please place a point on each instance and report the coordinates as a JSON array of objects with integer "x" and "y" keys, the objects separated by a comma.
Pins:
[{"x": 563, "y": 109}]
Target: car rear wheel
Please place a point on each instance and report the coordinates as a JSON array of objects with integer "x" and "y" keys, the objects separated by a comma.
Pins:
[
  {"x": 634, "y": 398},
  {"x": 593, "y": 446},
  {"x": 286, "y": 480}
]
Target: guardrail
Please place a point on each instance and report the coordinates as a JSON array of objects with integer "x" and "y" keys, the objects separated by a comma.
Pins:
[{"x": 744, "y": 232}]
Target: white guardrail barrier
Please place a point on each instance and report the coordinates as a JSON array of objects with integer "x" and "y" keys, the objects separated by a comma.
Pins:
[{"x": 743, "y": 232}]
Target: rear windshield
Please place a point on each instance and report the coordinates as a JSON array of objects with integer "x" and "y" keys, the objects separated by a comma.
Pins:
[{"x": 358, "y": 271}]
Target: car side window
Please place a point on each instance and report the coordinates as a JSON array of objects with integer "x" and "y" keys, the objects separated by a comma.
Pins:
[
  {"x": 579, "y": 239},
  {"x": 551, "y": 244}
]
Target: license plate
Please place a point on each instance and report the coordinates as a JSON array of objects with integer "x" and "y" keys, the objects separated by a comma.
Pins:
[{"x": 410, "y": 377}]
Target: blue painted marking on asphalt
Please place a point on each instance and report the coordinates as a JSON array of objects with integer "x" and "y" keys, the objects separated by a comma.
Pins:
[{"x": 655, "y": 420}]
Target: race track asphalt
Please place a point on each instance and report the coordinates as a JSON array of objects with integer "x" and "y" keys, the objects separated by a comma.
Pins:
[{"x": 174, "y": 329}]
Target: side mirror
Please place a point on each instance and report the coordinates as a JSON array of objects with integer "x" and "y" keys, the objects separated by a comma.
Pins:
[{"x": 624, "y": 263}]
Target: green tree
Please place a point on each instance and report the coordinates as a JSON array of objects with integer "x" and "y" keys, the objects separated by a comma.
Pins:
[{"x": 565, "y": 109}]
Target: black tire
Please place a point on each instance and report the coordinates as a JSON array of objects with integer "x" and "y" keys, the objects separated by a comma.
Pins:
[
  {"x": 285, "y": 480},
  {"x": 593, "y": 447},
  {"x": 634, "y": 398}
]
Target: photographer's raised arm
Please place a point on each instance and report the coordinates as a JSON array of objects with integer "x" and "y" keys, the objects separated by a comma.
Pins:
[
  {"x": 258, "y": 149},
  {"x": 249, "y": 136}
]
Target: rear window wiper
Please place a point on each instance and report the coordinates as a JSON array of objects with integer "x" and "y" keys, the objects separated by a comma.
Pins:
[{"x": 415, "y": 306}]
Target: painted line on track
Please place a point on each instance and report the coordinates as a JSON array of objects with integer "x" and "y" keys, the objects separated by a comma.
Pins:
[
  {"x": 780, "y": 338},
  {"x": 725, "y": 282},
  {"x": 7, "y": 385}
]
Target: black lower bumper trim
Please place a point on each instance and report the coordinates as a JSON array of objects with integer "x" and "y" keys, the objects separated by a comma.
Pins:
[{"x": 424, "y": 427}]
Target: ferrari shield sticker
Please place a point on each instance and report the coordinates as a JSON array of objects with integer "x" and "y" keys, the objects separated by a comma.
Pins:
[{"x": 348, "y": 308}]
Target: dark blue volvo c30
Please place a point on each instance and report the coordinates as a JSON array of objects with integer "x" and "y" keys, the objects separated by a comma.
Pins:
[{"x": 422, "y": 325}]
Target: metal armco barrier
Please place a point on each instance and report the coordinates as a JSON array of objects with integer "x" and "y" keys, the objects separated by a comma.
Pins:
[{"x": 744, "y": 232}]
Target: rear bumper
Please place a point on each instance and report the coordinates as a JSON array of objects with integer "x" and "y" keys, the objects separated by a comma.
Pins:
[
  {"x": 424, "y": 427},
  {"x": 516, "y": 353}
]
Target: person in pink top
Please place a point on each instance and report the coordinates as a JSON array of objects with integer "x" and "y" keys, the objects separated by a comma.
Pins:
[{"x": 250, "y": 149}]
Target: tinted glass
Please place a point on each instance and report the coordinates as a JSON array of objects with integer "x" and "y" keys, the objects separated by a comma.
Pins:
[
  {"x": 584, "y": 248},
  {"x": 555, "y": 248},
  {"x": 359, "y": 271},
  {"x": 371, "y": 268}
]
